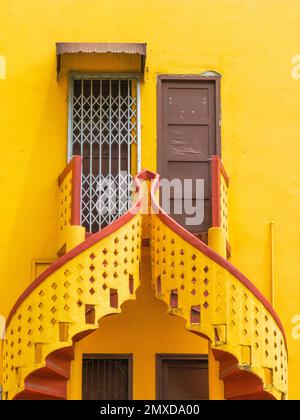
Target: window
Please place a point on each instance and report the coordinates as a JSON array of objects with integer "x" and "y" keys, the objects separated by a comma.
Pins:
[
  {"x": 104, "y": 130},
  {"x": 107, "y": 377}
]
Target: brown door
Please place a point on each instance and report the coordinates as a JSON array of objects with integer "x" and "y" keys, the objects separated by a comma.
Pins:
[
  {"x": 107, "y": 377},
  {"x": 182, "y": 377},
  {"x": 188, "y": 136}
]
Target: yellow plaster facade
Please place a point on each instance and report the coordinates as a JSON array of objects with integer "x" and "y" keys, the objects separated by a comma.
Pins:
[{"x": 251, "y": 44}]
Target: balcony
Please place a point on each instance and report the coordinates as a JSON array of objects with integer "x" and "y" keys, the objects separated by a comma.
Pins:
[{"x": 95, "y": 275}]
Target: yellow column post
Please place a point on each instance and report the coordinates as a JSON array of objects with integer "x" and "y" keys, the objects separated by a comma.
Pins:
[
  {"x": 74, "y": 236},
  {"x": 216, "y": 241}
]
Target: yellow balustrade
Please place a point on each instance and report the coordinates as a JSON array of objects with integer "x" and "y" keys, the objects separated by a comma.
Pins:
[
  {"x": 218, "y": 305},
  {"x": 65, "y": 202},
  {"x": 95, "y": 281},
  {"x": 98, "y": 275},
  {"x": 220, "y": 184},
  {"x": 69, "y": 198}
]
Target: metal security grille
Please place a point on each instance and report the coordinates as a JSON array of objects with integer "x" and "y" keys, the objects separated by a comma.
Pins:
[
  {"x": 105, "y": 379},
  {"x": 104, "y": 131}
]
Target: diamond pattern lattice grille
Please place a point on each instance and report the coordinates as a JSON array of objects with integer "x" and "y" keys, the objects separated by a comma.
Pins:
[{"x": 104, "y": 132}]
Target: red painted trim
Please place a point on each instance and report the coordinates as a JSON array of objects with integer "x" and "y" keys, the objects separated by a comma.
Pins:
[
  {"x": 90, "y": 241},
  {"x": 74, "y": 166},
  {"x": 210, "y": 253},
  {"x": 215, "y": 191}
]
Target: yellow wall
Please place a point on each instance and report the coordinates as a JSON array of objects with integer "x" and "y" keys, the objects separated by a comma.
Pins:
[{"x": 251, "y": 43}]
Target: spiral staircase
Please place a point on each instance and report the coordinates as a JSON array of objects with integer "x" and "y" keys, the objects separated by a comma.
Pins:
[{"x": 94, "y": 276}]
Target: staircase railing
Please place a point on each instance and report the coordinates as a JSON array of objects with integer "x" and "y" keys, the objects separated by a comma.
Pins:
[{"x": 218, "y": 302}]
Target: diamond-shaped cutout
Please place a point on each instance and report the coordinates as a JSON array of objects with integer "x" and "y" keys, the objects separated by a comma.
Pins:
[
  {"x": 193, "y": 292},
  {"x": 182, "y": 287},
  {"x": 92, "y": 267},
  {"x": 67, "y": 273},
  {"x": 92, "y": 256},
  {"x": 206, "y": 281},
  {"x": 205, "y": 269},
  {"x": 194, "y": 257},
  {"x": 53, "y": 309},
  {"x": 116, "y": 252},
  {"x": 54, "y": 298},
  {"x": 206, "y": 293},
  {"x": 104, "y": 286},
  {"x": 41, "y": 293},
  {"x": 205, "y": 305},
  {"x": 66, "y": 308},
  {"x": 104, "y": 251},
  {"x": 92, "y": 291},
  {"x": 66, "y": 296},
  {"x": 67, "y": 284},
  {"x": 54, "y": 286}
]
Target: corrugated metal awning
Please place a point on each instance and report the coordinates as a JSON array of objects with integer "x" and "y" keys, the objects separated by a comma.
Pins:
[{"x": 100, "y": 48}]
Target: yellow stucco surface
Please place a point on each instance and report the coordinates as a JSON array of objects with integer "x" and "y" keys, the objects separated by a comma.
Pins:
[{"x": 250, "y": 43}]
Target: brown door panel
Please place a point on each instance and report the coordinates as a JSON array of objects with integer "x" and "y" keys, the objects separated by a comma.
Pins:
[
  {"x": 182, "y": 377},
  {"x": 188, "y": 115}
]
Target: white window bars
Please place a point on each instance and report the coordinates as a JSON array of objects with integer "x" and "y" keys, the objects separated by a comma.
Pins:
[{"x": 104, "y": 130}]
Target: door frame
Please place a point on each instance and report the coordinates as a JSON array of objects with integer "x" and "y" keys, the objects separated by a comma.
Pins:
[
  {"x": 169, "y": 356},
  {"x": 183, "y": 78},
  {"x": 125, "y": 356}
]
